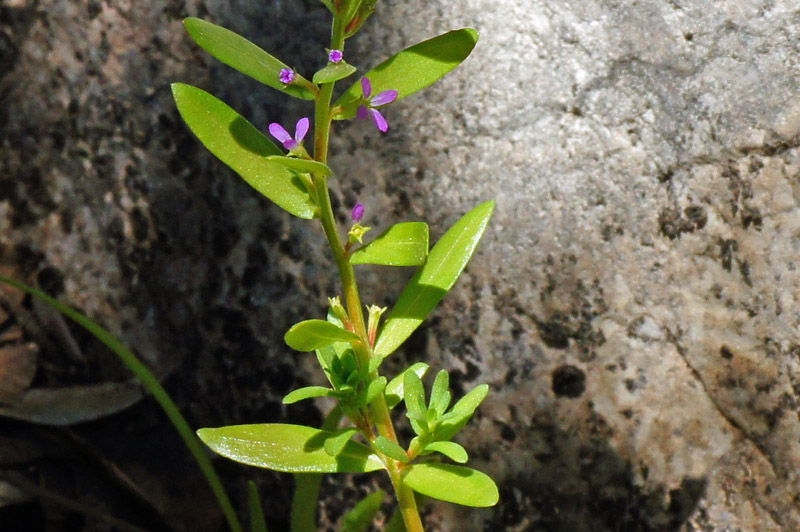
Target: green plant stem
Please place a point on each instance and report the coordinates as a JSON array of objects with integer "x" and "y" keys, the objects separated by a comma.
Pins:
[
  {"x": 407, "y": 504},
  {"x": 152, "y": 384},
  {"x": 381, "y": 416}
]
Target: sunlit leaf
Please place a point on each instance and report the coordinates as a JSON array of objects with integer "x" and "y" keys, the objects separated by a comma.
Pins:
[
  {"x": 375, "y": 388},
  {"x": 315, "y": 334},
  {"x": 363, "y": 514},
  {"x": 414, "y": 397},
  {"x": 333, "y": 72},
  {"x": 452, "y": 450},
  {"x": 434, "y": 279},
  {"x": 335, "y": 444},
  {"x": 243, "y": 148},
  {"x": 403, "y": 244},
  {"x": 287, "y": 448},
  {"x": 452, "y": 483},
  {"x": 440, "y": 394},
  {"x": 390, "y": 449},
  {"x": 462, "y": 411},
  {"x": 246, "y": 57},
  {"x": 307, "y": 392},
  {"x": 394, "y": 390},
  {"x": 412, "y": 69}
]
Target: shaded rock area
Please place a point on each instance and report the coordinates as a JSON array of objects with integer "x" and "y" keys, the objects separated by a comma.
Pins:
[{"x": 635, "y": 304}]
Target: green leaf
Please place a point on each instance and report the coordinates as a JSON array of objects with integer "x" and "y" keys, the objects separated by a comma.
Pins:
[
  {"x": 363, "y": 514},
  {"x": 451, "y": 483},
  {"x": 333, "y": 72},
  {"x": 315, "y": 334},
  {"x": 390, "y": 449},
  {"x": 241, "y": 54},
  {"x": 303, "y": 166},
  {"x": 307, "y": 392},
  {"x": 414, "y": 397},
  {"x": 412, "y": 69},
  {"x": 403, "y": 244},
  {"x": 440, "y": 394},
  {"x": 394, "y": 390},
  {"x": 335, "y": 444},
  {"x": 327, "y": 354},
  {"x": 287, "y": 448},
  {"x": 452, "y": 450},
  {"x": 257, "y": 521},
  {"x": 434, "y": 279},
  {"x": 329, "y": 5},
  {"x": 375, "y": 388},
  {"x": 462, "y": 411},
  {"x": 243, "y": 148}
]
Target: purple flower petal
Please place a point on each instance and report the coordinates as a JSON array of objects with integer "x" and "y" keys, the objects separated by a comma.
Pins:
[
  {"x": 278, "y": 131},
  {"x": 358, "y": 213},
  {"x": 362, "y": 112},
  {"x": 335, "y": 56},
  {"x": 301, "y": 129},
  {"x": 384, "y": 98},
  {"x": 286, "y": 76},
  {"x": 380, "y": 121},
  {"x": 366, "y": 87}
]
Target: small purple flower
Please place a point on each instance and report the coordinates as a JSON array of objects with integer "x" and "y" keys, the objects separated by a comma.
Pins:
[
  {"x": 277, "y": 131},
  {"x": 286, "y": 76},
  {"x": 372, "y": 102},
  {"x": 335, "y": 56},
  {"x": 358, "y": 213}
]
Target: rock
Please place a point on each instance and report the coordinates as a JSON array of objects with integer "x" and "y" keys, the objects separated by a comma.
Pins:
[{"x": 644, "y": 158}]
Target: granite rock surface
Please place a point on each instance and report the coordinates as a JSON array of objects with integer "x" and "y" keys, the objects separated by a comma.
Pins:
[{"x": 635, "y": 304}]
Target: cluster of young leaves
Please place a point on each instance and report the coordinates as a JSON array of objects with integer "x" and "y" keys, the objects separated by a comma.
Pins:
[{"x": 351, "y": 362}]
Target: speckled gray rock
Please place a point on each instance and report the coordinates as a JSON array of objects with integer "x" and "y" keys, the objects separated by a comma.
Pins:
[{"x": 635, "y": 305}]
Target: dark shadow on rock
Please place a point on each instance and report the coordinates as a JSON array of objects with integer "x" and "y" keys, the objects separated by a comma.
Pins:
[{"x": 586, "y": 486}]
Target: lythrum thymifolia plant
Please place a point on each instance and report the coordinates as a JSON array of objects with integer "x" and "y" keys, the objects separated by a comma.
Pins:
[
  {"x": 349, "y": 345},
  {"x": 358, "y": 435}
]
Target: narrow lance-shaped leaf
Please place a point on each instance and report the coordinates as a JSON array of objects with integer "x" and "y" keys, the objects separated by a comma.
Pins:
[
  {"x": 462, "y": 411},
  {"x": 414, "y": 396},
  {"x": 452, "y": 483},
  {"x": 315, "y": 334},
  {"x": 403, "y": 244},
  {"x": 307, "y": 392},
  {"x": 412, "y": 69},
  {"x": 243, "y": 148},
  {"x": 434, "y": 279},
  {"x": 153, "y": 386},
  {"x": 288, "y": 448},
  {"x": 246, "y": 57},
  {"x": 394, "y": 390},
  {"x": 440, "y": 394},
  {"x": 257, "y": 521},
  {"x": 363, "y": 514}
]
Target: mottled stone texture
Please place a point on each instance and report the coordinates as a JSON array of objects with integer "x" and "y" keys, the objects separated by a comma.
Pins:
[{"x": 635, "y": 304}]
